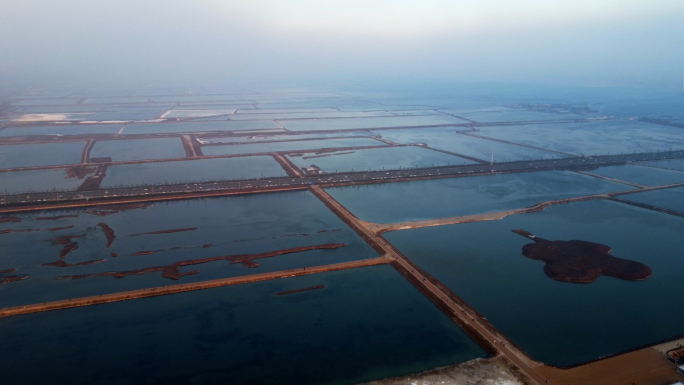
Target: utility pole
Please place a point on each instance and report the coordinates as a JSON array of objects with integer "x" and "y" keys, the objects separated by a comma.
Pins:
[{"x": 492, "y": 158}]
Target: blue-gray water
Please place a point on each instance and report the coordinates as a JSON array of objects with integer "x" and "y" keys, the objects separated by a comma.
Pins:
[
  {"x": 647, "y": 176},
  {"x": 441, "y": 198}
]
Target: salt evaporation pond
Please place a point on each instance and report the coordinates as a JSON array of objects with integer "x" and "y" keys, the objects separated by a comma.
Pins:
[
  {"x": 594, "y": 138},
  {"x": 377, "y": 122},
  {"x": 49, "y": 154},
  {"x": 561, "y": 323},
  {"x": 139, "y": 149},
  {"x": 227, "y": 226},
  {"x": 365, "y": 324},
  {"x": 62, "y": 130},
  {"x": 671, "y": 199},
  {"x": 17, "y": 182},
  {"x": 251, "y": 148},
  {"x": 449, "y": 140},
  {"x": 647, "y": 176},
  {"x": 390, "y": 158},
  {"x": 442, "y": 198},
  {"x": 190, "y": 171},
  {"x": 671, "y": 164},
  {"x": 190, "y": 127}
]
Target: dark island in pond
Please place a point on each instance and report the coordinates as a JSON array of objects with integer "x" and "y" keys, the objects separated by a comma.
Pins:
[{"x": 581, "y": 261}]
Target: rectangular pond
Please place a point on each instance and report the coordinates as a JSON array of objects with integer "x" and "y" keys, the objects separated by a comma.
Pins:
[
  {"x": 57, "y": 179},
  {"x": 443, "y": 198},
  {"x": 389, "y": 158},
  {"x": 448, "y": 139},
  {"x": 62, "y": 130},
  {"x": 139, "y": 149},
  {"x": 671, "y": 198},
  {"x": 595, "y": 138},
  {"x": 289, "y": 146},
  {"x": 647, "y": 176},
  {"x": 48, "y": 154},
  {"x": 368, "y": 123},
  {"x": 246, "y": 334},
  {"x": 192, "y": 171},
  {"x": 191, "y": 127},
  {"x": 670, "y": 164},
  {"x": 561, "y": 323},
  {"x": 163, "y": 234}
]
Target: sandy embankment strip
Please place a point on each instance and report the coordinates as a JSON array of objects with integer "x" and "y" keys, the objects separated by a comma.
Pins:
[{"x": 172, "y": 289}]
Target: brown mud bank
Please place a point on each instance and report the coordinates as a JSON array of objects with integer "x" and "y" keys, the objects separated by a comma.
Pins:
[
  {"x": 109, "y": 233},
  {"x": 165, "y": 231},
  {"x": 32, "y": 230},
  {"x": 61, "y": 263},
  {"x": 581, "y": 261},
  {"x": 11, "y": 278},
  {"x": 9, "y": 219},
  {"x": 172, "y": 271},
  {"x": 300, "y": 290},
  {"x": 54, "y": 218},
  {"x": 103, "y": 211}
]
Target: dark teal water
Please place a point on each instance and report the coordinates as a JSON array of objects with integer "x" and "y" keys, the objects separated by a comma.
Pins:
[
  {"x": 234, "y": 225},
  {"x": 647, "y": 176},
  {"x": 442, "y": 198},
  {"x": 556, "y": 322},
  {"x": 366, "y": 324}
]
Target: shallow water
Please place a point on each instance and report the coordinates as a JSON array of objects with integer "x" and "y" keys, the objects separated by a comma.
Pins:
[
  {"x": 50, "y": 154},
  {"x": 671, "y": 199},
  {"x": 189, "y": 171},
  {"x": 140, "y": 149},
  {"x": 80, "y": 129},
  {"x": 442, "y": 198},
  {"x": 556, "y": 322},
  {"x": 390, "y": 158},
  {"x": 233, "y": 225},
  {"x": 242, "y": 334},
  {"x": 360, "y": 123},
  {"x": 37, "y": 180},
  {"x": 190, "y": 127},
  {"x": 447, "y": 139},
  {"x": 249, "y": 148},
  {"x": 646, "y": 176},
  {"x": 595, "y": 138},
  {"x": 673, "y": 164}
]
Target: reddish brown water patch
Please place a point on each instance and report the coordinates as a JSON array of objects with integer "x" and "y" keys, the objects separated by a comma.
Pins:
[
  {"x": 581, "y": 261},
  {"x": 114, "y": 254},
  {"x": 7, "y": 271},
  {"x": 300, "y": 290},
  {"x": 172, "y": 271},
  {"x": 32, "y": 230},
  {"x": 55, "y": 217},
  {"x": 165, "y": 231},
  {"x": 66, "y": 239},
  {"x": 109, "y": 233},
  {"x": 61, "y": 263},
  {"x": 9, "y": 219}
]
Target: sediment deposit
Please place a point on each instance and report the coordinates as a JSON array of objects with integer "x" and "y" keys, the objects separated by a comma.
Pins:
[{"x": 581, "y": 261}]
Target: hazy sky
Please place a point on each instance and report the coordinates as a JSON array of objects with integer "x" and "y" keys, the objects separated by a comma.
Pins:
[{"x": 614, "y": 41}]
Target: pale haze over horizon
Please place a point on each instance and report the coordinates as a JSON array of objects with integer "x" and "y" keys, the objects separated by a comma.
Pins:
[{"x": 214, "y": 41}]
